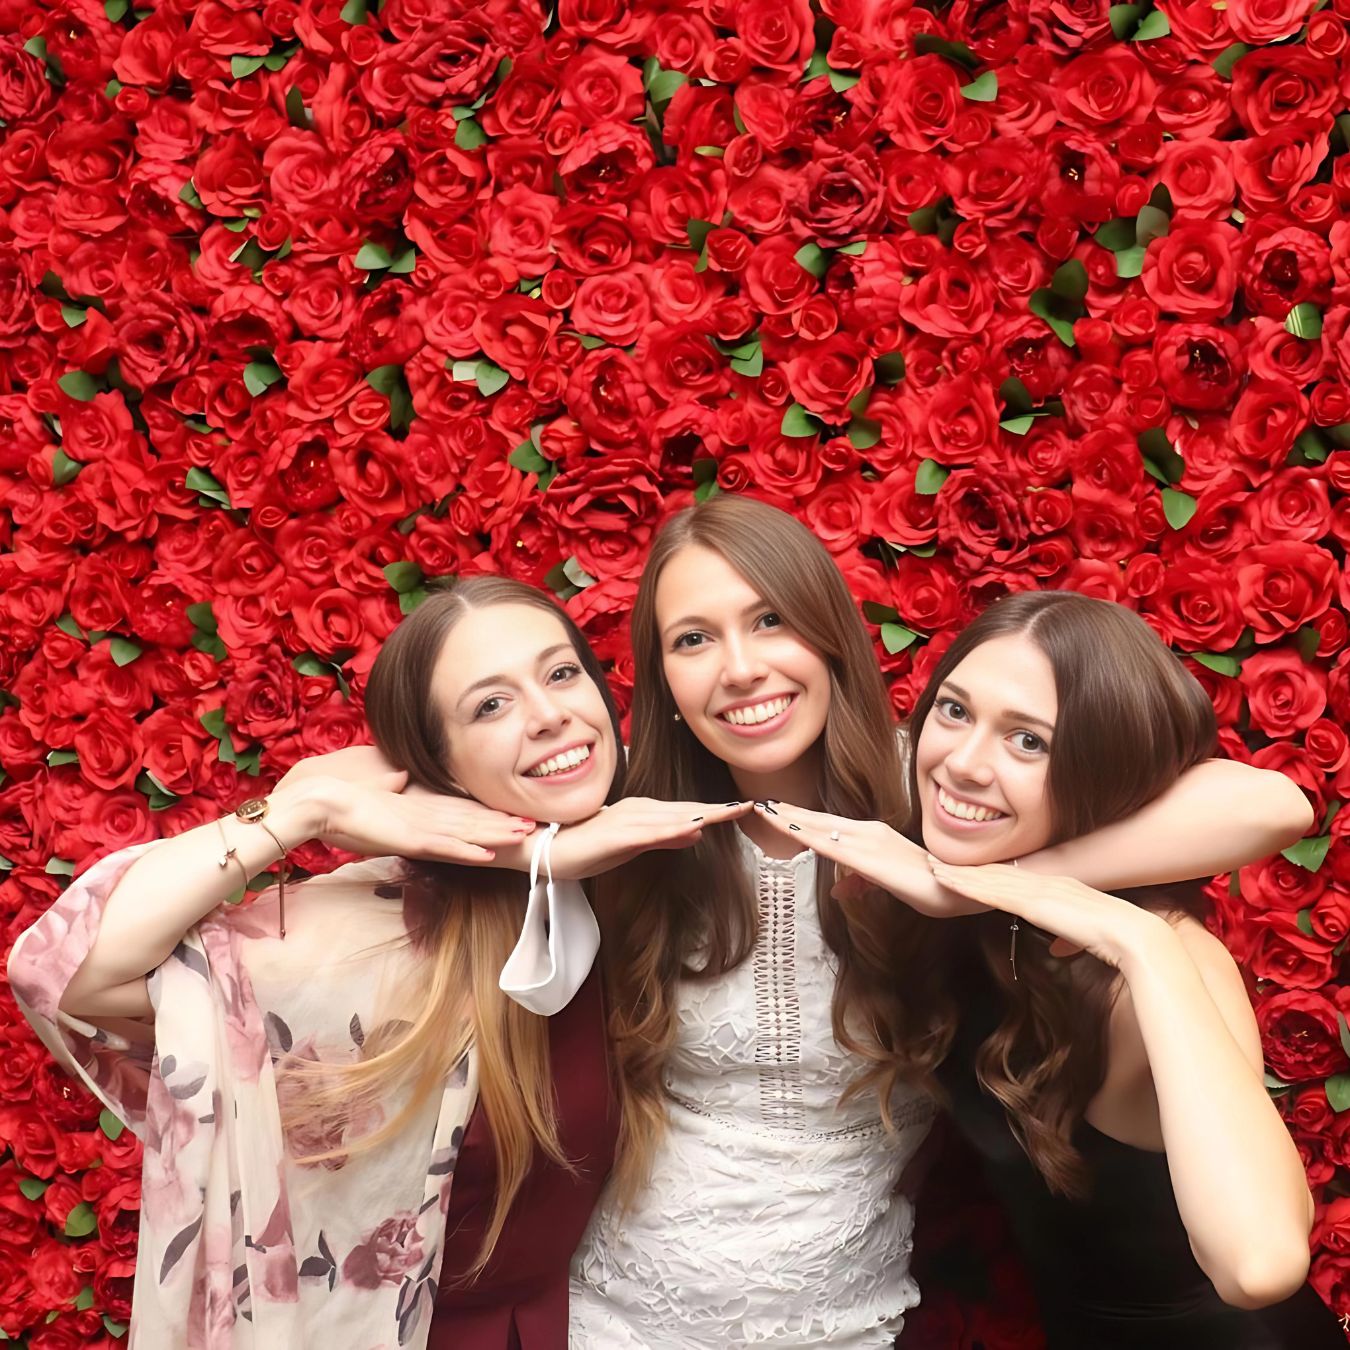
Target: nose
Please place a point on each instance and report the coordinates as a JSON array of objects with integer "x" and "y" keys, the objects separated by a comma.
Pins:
[
  {"x": 741, "y": 668},
  {"x": 545, "y": 713},
  {"x": 970, "y": 760}
]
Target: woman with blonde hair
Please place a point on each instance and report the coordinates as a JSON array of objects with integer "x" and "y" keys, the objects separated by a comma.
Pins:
[
  {"x": 756, "y": 1016},
  {"x": 310, "y": 1073},
  {"x": 1099, "y": 1051}
]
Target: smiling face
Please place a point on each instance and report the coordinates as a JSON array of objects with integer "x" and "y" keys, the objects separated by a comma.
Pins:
[
  {"x": 983, "y": 756},
  {"x": 748, "y": 687},
  {"x": 527, "y": 729}
]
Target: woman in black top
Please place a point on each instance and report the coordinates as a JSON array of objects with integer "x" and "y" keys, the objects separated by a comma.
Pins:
[{"x": 1099, "y": 1051}]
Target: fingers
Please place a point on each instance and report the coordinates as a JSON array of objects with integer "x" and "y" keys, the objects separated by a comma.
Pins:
[
  {"x": 824, "y": 834},
  {"x": 458, "y": 850},
  {"x": 994, "y": 884}
]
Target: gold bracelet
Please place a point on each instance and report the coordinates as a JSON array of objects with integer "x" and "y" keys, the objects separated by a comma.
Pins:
[
  {"x": 252, "y": 812},
  {"x": 231, "y": 852}
]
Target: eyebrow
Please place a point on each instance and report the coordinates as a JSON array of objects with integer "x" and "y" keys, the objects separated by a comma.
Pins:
[
  {"x": 693, "y": 619},
  {"x": 546, "y": 655},
  {"x": 1011, "y": 714}
]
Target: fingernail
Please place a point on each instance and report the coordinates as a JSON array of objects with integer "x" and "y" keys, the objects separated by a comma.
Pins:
[
  {"x": 768, "y": 806},
  {"x": 696, "y": 819},
  {"x": 731, "y": 803},
  {"x": 797, "y": 828}
]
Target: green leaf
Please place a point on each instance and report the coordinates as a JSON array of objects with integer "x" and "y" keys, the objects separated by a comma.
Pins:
[
  {"x": 1151, "y": 223},
  {"x": 698, "y": 231},
  {"x": 842, "y": 80},
  {"x": 407, "y": 602},
  {"x": 1020, "y": 425},
  {"x": 924, "y": 220},
  {"x": 112, "y": 89},
  {"x": 1309, "y": 640},
  {"x": 984, "y": 89},
  {"x": 274, "y": 61},
  {"x": 890, "y": 369},
  {"x": 296, "y": 113},
  {"x": 527, "y": 459},
  {"x": 469, "y": 135},
  {"x": 56, "y": 758},
  {"x": 895, "y": 637},
  {"x": 491, "y": 379},
  {"x": 114, "y": 1329},
  {"x": 404, "y": 263},
  {"x": 929, "y": 478},
  {"x": 1154, "y": 25},
  {"x": 309, "y": 664},
  {"x": 59, "y": 867},
  {"x": 66, "y": 623},
  {"x": 64, "y": 469},
  {"x": 710, "y": 151},
  {"x": 73, "y": 315},
  {"x": 33, "y": 1187},
  {"x": 198, "y": 480},
  {"x": 110, "y": 1125},
  {"x": 116, "y": 9},
  {"x": 854, "y": 250},
  {"x": 1344, "y": 1027},
  {"x": 813, "y": 259},
  {"x": 1338, "y": 1091},
  {"x": 1221, "y": 665},
  {"x": 188, "y": 193},
  {"x": 354, "y": 12},
  {"x": 1308, "y": 854},
  {"x": 1040, "y": 304},
  {"x": 929, "y": 44},
  {"x": 202, "y": 616},
  {"x": 864, "y": 433},
  {"x": 1116, "y": 235},
  {"x": 1070, "y": 280},
  {"x": 1225, "y": 61},
  {"x": 1130, "y": 261},
  {"x": 1304, "y": 321},
  {"x": 1124, "y": 19},
  {"x": 875, "y": 612},
  {"x": 664, "y": 85},
  {"x": 705, "y": 490},
  {"x": 78, "y": 385},
  {"x": 384, "y": 379},
  {"x": 403, "y": 576},
  {"x": 259, "y": 376},
  {"x": 464, "y": 372},
  {"x": 1303, "y": 920},
  {"x": 84, "y": 1299},
  {"x": 36, "y": 46},
  {"x": 1311, "y": 446},
  {"x": 124, "y": 651},
  {"x": 752, "y": 363},
  {"x": 243, "y": 66},
  {"x": 214, "y": 722},
  {"x": 817, "y": 66},
  {"x": 577, "y": 574},
  {"x": 797, "y": 422},
  {"x": 80, "y": 1222},
  {"x": 372, "y": 257},
  {"x": 1178, "y": 507}
]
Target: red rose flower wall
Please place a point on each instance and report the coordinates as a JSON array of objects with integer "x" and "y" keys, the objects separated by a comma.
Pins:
[{"x": 304, "y": 304}]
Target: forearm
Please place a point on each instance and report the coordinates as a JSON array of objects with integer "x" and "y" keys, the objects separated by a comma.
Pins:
[
  {"x": 175, "y": 885},
  {"x": 1238, "y": 1180},
  {"x": 1218, "y": 816}
]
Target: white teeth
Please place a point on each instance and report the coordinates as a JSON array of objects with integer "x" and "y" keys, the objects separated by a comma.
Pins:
[
  {"x": 761, "y": 712},
  {"x": 569, "y": 759},
  {"x": 964, "y": 810}
]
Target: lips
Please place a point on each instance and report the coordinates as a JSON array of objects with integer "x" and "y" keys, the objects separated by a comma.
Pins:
[
  {"x": 970, "y": 812},
  {"x": 560, "y": 762},
  {"x": 755, "y": 714}
]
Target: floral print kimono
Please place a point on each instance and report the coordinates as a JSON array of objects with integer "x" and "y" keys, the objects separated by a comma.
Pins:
[{"x": 241, "y": 1248}]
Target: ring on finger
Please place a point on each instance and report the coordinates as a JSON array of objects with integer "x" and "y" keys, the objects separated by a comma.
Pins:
[{"x": 834, "y": 836}]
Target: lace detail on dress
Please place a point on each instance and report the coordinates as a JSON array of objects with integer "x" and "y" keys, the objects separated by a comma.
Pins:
[{"x": 778, "y": 1017}]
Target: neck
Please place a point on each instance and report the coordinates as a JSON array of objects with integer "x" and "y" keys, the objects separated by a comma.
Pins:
[{"x": 797, "y": 784}]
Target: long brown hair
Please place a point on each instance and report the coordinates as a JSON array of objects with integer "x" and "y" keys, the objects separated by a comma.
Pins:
[
  {"x": 463, "y": 922},
  {"x": 1131, "y": 720},
  {"x": 665, "y": 909}
]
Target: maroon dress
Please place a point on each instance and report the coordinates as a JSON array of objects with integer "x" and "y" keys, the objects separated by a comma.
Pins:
[{"x": 519, "y": 1302}]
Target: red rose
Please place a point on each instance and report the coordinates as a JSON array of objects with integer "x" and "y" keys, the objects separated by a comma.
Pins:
[
  {"x": 1270, "y": 169},
  {"x": 1284, "y": 694},
  {"x": 1287, "y": 955},
  {"x": 1281, "y": 85},
  {"x": 1191, "y": 271},
  {"x": 1199, "y": 365},
  {"x": 1280, "y": 587},
  {"x": 776, "y": 35},
  {"x": 922, "y": 104},
  {"x": 606, "y": 163},
  {"x": 606, "y": 509},
  {"x": 1198, "y": 176},
  {"x": 109, "y": 746},
  {"x": 1263, "y": 21},
  {"x": 608, "y": 397},
  {"x": 839, "y": 196},
  {"x": 1194, "y": 608},
  {"x": 981, "y": 516},
  {"x": 1100, "y": 90},
  {"x": 1300, "y": 1034},
  {"x": 949, "y": 301},
  {"x": 825, "y": 378}
]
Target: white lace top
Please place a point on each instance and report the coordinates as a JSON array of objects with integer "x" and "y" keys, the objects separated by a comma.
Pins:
[{"x": 771, "y": 1217}]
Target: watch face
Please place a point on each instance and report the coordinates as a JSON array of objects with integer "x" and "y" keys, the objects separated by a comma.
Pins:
[{"x": 253, "y": 809}]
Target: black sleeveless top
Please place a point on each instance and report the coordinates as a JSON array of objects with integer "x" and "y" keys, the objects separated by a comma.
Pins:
[{"x": 1114, "y": 1271}]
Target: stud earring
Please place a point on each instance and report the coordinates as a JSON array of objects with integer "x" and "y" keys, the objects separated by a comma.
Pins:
[{"x": 678, "y": 718}]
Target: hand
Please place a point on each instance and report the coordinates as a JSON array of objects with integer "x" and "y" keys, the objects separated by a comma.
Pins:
[
  {"x": 868, "y": 854},
  {"x": 633, "y": 825},
  {"x": 379, "y": 820},
  {"x": 1082, "y": 919}
]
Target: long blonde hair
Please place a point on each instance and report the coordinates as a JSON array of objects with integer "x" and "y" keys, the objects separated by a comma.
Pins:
[
  {"x": 462, "y": 923},
  {"x": 663, "y": 908}
]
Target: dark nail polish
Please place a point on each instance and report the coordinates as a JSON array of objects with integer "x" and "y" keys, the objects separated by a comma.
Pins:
[
  {"x": 768, "y": 806},
  {"x": 797, "y": 828},
  {"x": 731, "y": 803},
  {"x": 696, "y": 819}
]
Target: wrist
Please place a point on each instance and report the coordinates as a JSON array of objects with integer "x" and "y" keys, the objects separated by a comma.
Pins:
[
  {"x": 306, "y": 810},
  {"x": 1145, "y": 942}
]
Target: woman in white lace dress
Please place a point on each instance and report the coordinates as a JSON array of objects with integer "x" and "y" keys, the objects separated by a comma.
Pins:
[{"x": 758, "y": 1202}]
